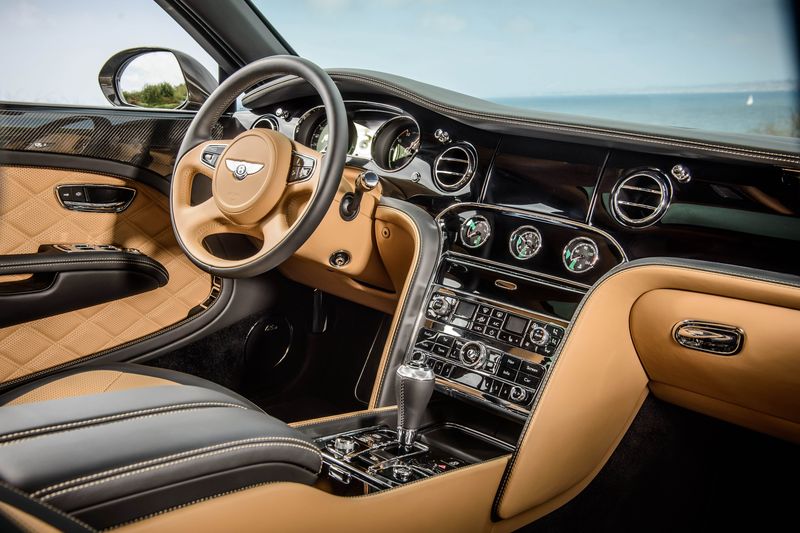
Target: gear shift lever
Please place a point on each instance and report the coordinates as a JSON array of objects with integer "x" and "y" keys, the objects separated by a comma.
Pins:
[{"x": 414, "y": 388}]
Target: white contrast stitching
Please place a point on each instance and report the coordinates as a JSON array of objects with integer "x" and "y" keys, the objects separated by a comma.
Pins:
[
  {"x": 179, "y": 461},
  {"x": 254, "y": 440},
  {"x": 10, "y": 438}
]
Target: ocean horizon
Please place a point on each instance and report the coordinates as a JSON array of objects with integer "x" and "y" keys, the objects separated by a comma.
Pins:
[{"x": 748, "y": 112}]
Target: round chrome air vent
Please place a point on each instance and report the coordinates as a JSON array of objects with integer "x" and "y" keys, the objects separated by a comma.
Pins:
[
  {"x": 267, "y": 122},
  {"x": 455, "y": 166},
  {"x": 641, "y": 198}
]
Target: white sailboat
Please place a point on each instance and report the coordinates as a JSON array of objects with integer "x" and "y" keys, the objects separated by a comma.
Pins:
[{"x": 749, "y": 100}]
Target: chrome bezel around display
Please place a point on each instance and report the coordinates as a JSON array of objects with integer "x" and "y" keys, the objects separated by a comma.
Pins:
[
  {"x": 516, "y": 233},
  {"x": 574, "y": 242},
  {"x": 488, "y": 234},
  {"x": 532, "y": 216},
  {"x": 380, "y": 131}
]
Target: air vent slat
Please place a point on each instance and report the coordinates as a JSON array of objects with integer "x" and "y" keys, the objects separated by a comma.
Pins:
[
  {"x": 634, "y": 204},
  {"x": 641, "y": 198},
  {"x": 455, "y": 166},
  {"x": 643, "y": 189}
]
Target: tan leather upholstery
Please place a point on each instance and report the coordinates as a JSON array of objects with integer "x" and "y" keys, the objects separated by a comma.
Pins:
[
  {"x": 30, "y": 215},
  {"x": 458, "y": 501},
  {"x": 598, "y": 382},
  {"x": 760, "y": 385},
  {"x": 89, "y": 382}
]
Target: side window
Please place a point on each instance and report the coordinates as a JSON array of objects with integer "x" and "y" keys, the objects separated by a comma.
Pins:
[{"x": 53, "y": 51}]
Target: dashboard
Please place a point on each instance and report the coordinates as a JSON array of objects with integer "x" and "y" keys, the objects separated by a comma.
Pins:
[{"x": 529, "y": 223}]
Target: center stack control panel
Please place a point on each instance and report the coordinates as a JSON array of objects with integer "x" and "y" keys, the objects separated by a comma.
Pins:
[{"x": 486, "y": 350}]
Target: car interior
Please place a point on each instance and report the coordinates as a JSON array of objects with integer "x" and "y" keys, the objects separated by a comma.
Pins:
[{"x": 314, "y": 299}]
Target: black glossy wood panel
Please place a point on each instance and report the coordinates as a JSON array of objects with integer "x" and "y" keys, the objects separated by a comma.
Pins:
[
  {"x": 555, "y": 236},
  {"x": 745, "y": 215},
  {"x": 545, "y": 176}
]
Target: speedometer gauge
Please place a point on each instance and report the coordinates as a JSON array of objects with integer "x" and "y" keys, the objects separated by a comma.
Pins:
[
  {"x": 580, "y": 255},
  {"x": 396, "y": 143},
  {"x": 475, "y": 231}
]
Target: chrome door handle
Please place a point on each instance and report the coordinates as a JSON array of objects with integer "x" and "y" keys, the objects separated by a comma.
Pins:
[{"x": 719, "y": 339}]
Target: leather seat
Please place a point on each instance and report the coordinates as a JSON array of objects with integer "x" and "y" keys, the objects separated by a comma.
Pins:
[{"x": 116, "y": 443}]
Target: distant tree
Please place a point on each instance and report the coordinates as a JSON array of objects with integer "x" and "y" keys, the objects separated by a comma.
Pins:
[{"x": 161, "y": 95}]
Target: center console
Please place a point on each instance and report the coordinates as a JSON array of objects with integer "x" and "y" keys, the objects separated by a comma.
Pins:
[{"x": 496, "y": 314}]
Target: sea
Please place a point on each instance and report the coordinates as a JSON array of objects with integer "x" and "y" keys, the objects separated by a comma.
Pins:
[{"x": 765, "y": 113}]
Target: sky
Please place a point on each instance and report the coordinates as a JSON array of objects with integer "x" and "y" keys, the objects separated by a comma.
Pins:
[
  {"x": 509, "y": 48},
  {"x": 53, "y": 49}
]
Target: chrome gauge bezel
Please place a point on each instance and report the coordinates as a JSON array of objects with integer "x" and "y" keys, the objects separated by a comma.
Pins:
[
  {"x": 379, "y": 143},
  {"x": 516, "y": 233},
  {"x": 477, "y": 218},
  {"x": 575, "y": 242}
]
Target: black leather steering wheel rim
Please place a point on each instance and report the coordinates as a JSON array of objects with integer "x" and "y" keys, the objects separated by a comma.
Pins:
[{"x": 332, "y": 162}]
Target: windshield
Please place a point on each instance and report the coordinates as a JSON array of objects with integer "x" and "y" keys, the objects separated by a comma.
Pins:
[{"x": 713, "y": 65}]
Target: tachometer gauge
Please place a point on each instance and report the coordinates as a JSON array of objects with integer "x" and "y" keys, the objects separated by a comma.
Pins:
[
  {"x": 525, "y": 242},
  {"x": 320, "y": 137},
  {"x": 580, "y": 255},
  {"x": 475, "y": 231}
]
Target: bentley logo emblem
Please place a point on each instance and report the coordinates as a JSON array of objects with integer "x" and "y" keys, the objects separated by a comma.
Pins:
[{"x": 242, "y": 169}]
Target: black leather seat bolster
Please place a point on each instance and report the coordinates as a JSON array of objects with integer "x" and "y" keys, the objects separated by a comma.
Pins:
[{"x": 118, "y": 456}]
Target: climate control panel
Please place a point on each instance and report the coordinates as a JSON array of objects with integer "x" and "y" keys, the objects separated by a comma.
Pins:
[{"x": 487, "y": 350}]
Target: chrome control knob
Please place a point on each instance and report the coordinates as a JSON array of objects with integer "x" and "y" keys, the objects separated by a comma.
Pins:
[
  {"x": 517, "y": 394},
  {"x": 344, "y": 445},
  {"x": 439, "y": 306},
  {"x": 402, "y": 473},
  {"x": 539, "y": 336},
  {"x": 473, "y": 354}
]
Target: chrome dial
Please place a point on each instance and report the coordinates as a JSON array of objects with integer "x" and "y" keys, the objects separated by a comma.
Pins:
[
  {"x": 539, "y": 336},
  {"x": 580, "y": 255},
  {"x": 525, "y": 242},
  {"x": 473, "y": 354},
  {"x": 475, "y": 231}
]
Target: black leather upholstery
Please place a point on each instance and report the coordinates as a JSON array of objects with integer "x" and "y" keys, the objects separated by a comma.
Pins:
[{"x": 114, "y": 457}]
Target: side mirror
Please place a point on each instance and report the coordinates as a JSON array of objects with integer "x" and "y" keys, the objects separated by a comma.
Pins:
[{"x": 155, "y": 78}]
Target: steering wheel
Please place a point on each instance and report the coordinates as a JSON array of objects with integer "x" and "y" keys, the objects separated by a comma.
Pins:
[{"x": 264, "y": 185}]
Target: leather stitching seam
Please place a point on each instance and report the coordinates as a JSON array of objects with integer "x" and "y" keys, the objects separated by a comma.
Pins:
[{"x": 304, "y": 447}]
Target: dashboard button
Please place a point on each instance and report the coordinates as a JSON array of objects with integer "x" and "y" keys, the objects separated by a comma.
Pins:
[
  {"x": 514, "y": 340},
  {"x": 478, "y": 328},
  {"x": 437, "y": 367},
  {"x": 504, "y": 391},
  {"x": 492, "y": 332},
  {"x": 425, "y": 345},
  {"x": 440, "y": 350},
  {"x": 510, "y": 362},
  {"x": 485, "y": 310},
  {"x": 507, "y": 373},
  {"x": 527, "y": 381},
  {"x": 495, "y": 388},
  {"x": 533, "y": 369},
  {"x": 447, "y": 368},
  {"x": 497, "y": 313},
  {"x": 445, "y": 340},
  {"x": 426, "y": 333},
  {"x": 496, "y": 322},
  {"x": 490, "y": 366},
  {"x": 481, "y": 319}
]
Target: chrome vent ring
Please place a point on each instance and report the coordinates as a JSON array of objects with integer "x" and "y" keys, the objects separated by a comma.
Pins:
[
  {"x": 455, "y": 167},
  {"x": 267, "y": 122},
  {"x": 641, "y": 198}
]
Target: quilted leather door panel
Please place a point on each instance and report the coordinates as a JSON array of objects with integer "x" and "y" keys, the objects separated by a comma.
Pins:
[{"x": 30, "y": 215}]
